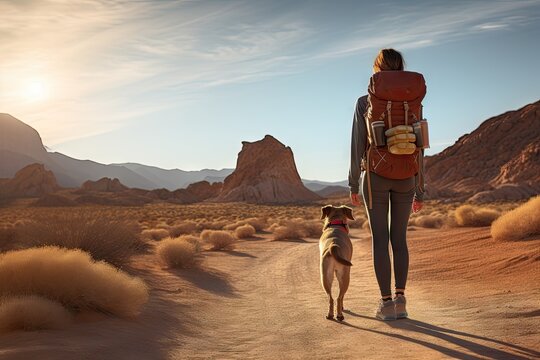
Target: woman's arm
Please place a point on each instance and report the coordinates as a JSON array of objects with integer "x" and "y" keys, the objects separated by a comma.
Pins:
[{"x": 358, "y": 144}]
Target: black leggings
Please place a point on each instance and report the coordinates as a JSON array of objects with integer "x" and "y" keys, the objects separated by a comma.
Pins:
[{"x": 396, "y": 196}]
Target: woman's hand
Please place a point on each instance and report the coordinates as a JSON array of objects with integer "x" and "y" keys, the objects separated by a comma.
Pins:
[
  {"x": 417, "y": 205},
  {"x": 355, "y": 199}
]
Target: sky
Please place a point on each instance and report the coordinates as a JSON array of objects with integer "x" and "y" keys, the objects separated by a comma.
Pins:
[{"x": 180, "y": 84}]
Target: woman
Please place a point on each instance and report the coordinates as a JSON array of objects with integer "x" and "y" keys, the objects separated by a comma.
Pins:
[{"x": 388, "y": 197}]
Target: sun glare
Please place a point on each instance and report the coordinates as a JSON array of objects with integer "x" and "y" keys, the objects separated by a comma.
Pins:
[{"x": 36, "y": 90}]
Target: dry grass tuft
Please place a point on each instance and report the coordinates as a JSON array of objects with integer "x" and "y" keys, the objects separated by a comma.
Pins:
[
  {"x": 428, "y": 221},
  {"x": 32, "y": 312},
  {"x": 468, "y": 215},
  {"x": 73, "y": 279},
  {"x": 244, "y": 231},
  {"x": 520, "y": 223},
  {"x": 219, "y": 239},
  {"x": 187, "y": 227},
  {"x": 113, "y": 240},
  {"x": 178, "y": 252},
  {"x": 296, "y": 228},
  {"x": 154, "y": 234},
  {"x": 7, "y": 237}
]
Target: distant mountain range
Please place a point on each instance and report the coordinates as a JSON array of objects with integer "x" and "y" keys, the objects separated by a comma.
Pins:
[{"x": 21, "y": 145}]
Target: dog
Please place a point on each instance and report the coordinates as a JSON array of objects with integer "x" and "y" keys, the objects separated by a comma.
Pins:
[{"x": 336, "y": 252}]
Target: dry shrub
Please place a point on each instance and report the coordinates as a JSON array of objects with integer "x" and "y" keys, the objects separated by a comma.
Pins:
[
  {"x": 219, "y": 239},
  {"x": 193, "y": 240},
  {"x": 71, "y": 278},
  {"x": 7, "y": 237},
  {"x": 32, "y": 313},
  {"x": 106, "y": 238},
  {"x": 259, "y": 224},
  {"x": 428, "y": 221},
  {"x": 296, "y": 228},
  {"x": 205, "y": 235},
  {"x": 177, "y": 252},
  {"x": 468, "y": 215},
  {"x": 233, "y": 225},
  {"x": 212, "y": 225},
  {"x": 187, "y": 227},
  {"x": 244, "y": 231},
  {"x": 154, "y": 234},
  {"x": 520, "y": 223}
]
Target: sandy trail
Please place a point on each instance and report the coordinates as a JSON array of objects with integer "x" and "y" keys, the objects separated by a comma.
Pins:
[{"x": 264, "y": 301}]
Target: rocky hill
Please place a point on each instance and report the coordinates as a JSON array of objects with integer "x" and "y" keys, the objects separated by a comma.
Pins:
[
  {"x": 31, "y": 181},
  {"x": 265, "y": 173},
  {"x": 500, "y": 160}
]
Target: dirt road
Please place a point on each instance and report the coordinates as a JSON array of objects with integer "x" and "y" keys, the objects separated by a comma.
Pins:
[{"x": 264, "y": 301}]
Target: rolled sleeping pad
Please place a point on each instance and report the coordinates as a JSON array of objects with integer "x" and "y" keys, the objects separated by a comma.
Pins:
[
  {"x": 402, "y": 148},
  {"x": 400, "y": 129},
  {"x": 399, "y": 138}
]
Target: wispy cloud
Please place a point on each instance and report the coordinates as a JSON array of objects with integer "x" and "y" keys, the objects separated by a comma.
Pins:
[{"x": 108, "y": 62}]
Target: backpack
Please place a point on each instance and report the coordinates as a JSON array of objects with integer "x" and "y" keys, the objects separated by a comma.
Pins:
[{"x": 394, "y": 97}]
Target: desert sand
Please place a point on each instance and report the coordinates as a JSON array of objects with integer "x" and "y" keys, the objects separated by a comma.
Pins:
[{"x": 469, "y": 298}]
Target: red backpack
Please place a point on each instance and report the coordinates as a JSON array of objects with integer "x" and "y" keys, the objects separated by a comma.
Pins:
[{"x": 395, "y": 97}]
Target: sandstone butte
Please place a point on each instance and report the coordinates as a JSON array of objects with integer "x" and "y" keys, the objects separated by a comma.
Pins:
[
  {"x": 265, "y": 173},
  {"x": 500, "y": 160}
]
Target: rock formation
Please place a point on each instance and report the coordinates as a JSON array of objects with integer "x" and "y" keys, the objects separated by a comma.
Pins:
[
  {"x": 104, "y": 185},
  {"x": 500, "y": 160},
  {"x": 265, "y": 173},
  {"x": 31, "y": 181},
  {"x": 203, "y": 190}
]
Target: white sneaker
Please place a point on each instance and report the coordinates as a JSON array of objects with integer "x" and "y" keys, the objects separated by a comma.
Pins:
[
  {"x": 386, "y": 310},
  {"x": 401, "y": 310}
]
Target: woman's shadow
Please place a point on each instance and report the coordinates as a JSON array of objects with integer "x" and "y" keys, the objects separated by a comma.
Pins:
[{"x": 465, "y": 341}]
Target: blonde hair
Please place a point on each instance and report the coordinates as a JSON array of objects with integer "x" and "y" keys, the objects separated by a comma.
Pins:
[{"x": 388, "y": 59}]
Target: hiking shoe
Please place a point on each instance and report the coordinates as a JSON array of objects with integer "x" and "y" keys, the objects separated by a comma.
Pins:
[
  {"x": 399, "y": 303},
  {"x": 386, "y": 310}
]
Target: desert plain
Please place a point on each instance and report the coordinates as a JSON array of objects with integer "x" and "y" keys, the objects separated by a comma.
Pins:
[{"x": 258, "y": 295}]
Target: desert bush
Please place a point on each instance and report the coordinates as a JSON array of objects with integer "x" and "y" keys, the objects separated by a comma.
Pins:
[
  {"x": 233, "y": 226},
  {"x": 7, "y": 237},
  {"x": 32, "y": 313},
  {"x": 520, "y": 223},
  {"x": 212, "y": 225},
  {"x": 219, "y": 239},
  {"x": 468, "y": 215},
  {"x": 187, "y": 227},
  {"x": 110, "y": 239},
  {"x": 428, "y": 221},
  {"x": 193, "y": 240},
  {"x": 244, "y": 231},
  {"x": 177, "y": 252},
  {"x": 154, "y": 234},
  {"x": 259, "y": 224},
  {"x": 296, "y": 228},
  {"x": 71, "y": 278}
]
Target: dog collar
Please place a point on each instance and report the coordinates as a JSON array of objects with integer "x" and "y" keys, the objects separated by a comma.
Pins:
[{"x": 339, "y": 223}]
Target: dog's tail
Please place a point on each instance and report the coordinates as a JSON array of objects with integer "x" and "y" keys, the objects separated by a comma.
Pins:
[{"x": 335, "y": 253}]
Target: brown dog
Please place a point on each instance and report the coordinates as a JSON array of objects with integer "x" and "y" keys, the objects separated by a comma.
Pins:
[{"x": 336, "y": 253}]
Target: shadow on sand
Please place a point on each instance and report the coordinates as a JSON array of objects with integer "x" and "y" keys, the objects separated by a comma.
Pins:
[
  {"x": 465, "y": 340},
  {"x": 239, "y": 253},
  {"x": 209, "y": 280}
]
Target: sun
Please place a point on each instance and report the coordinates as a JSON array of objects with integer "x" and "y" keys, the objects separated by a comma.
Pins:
[{"x": 36, "y": 90}]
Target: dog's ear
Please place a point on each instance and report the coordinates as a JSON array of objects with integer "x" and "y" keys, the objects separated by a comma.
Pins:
[
  {"x": 325, "y": 210},
  {"x": 348, "y": 212}
]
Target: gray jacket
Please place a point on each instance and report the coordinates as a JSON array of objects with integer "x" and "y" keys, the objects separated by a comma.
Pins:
[{"x": 358, "y": 148}]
